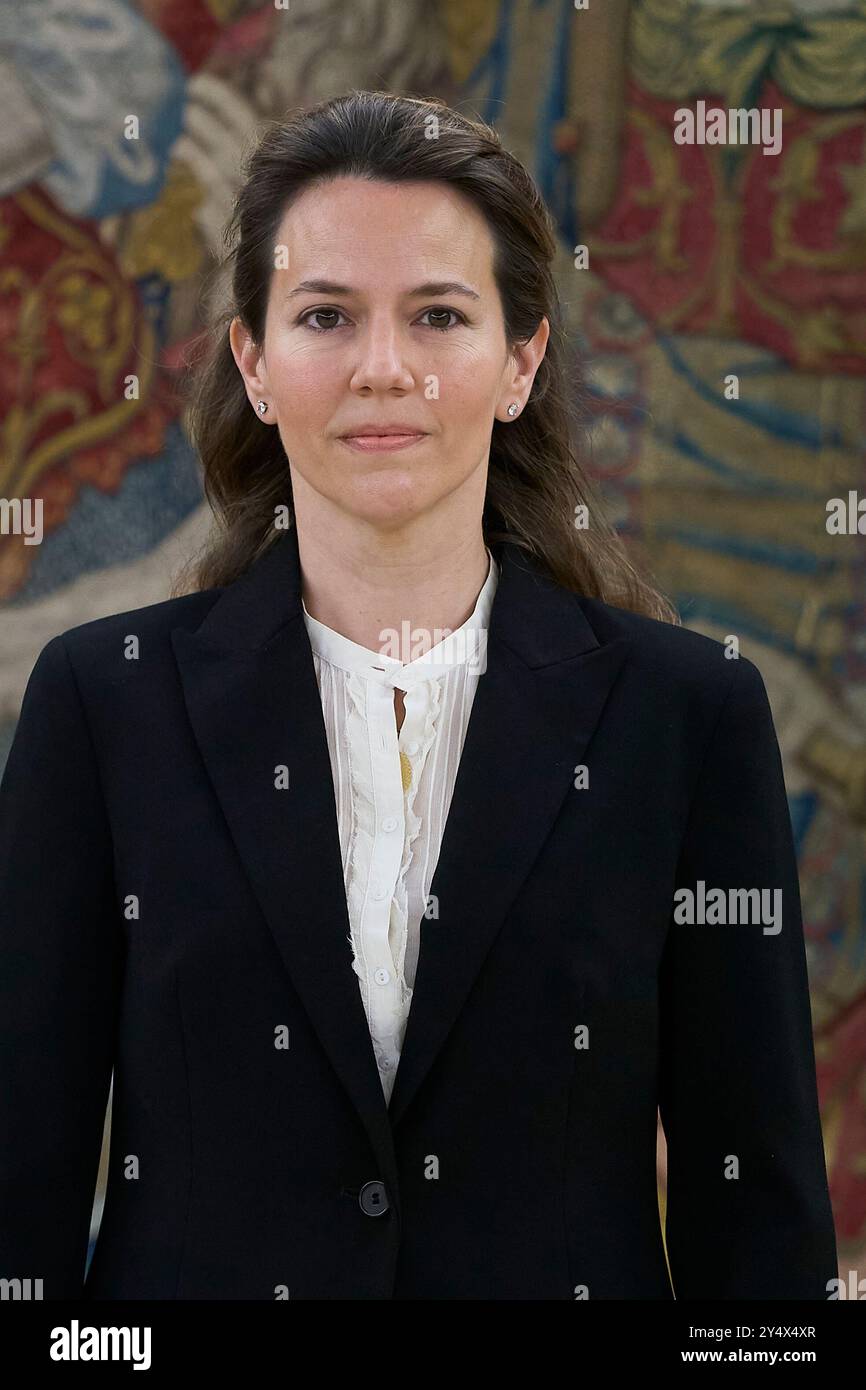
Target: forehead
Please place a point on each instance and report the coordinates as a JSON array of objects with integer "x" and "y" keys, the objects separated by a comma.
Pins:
[{"x": 358, "y": 230}]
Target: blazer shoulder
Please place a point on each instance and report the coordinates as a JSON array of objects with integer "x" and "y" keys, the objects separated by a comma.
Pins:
[
  {"x": 674, "y": 660},
  {"x": 87, "y": 642}
]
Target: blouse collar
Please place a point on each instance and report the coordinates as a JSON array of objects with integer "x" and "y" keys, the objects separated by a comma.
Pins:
[{"x": 466, "y": 645}]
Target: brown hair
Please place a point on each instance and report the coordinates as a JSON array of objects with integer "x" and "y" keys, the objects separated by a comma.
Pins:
[{"x": 535, "y": 477}]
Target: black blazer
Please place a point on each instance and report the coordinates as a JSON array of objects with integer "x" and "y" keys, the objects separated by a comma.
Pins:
[{"x": 173, "y": 912}]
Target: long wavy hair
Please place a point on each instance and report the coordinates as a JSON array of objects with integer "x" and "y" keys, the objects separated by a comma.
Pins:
[{"x": 536, "y": 480}]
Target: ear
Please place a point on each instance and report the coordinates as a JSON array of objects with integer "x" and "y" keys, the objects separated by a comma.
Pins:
[
  {"x": 250, "y": 363},
  {"x": 523, "y": 362}
]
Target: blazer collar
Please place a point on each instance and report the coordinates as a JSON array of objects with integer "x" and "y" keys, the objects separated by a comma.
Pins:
[
  {"x": 540, "y": 621},
  {"x": 253, "y": 702}
]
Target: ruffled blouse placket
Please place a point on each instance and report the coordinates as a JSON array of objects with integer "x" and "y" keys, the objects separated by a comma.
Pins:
[{"x": 386, "y": 767}]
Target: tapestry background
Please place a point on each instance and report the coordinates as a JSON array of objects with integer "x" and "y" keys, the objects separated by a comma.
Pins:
[{"x": 704, "y": 261}]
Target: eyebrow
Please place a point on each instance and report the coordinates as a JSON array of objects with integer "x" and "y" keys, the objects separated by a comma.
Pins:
[{"x": 433, "y": 288}]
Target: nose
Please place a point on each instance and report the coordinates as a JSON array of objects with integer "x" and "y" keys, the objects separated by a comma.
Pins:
[{"x": 381, "y": 361}]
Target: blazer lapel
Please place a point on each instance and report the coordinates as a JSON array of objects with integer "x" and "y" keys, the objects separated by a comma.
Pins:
[
  {"x": 535, "y": 710},
  {"x": 253, "y": 702}
]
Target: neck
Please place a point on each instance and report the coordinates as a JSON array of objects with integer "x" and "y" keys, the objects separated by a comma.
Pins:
[{"x": 367, "y": 585}]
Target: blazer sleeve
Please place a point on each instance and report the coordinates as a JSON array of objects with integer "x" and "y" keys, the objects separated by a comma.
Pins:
[
  {"x": 60, "y": 967},
  {"x": 748, "y": 1208}
]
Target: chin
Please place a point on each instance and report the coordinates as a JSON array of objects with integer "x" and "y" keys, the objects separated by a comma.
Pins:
[
  {"x": 390, "y": 505},
  {"x": 388, "y": 519}
]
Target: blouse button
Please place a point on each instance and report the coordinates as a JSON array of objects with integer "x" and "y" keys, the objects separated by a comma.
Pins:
[
  {"x": 412, "y": 747},
  {"x": 381, "y": 976},
  {"x": 389, "y": 823}
]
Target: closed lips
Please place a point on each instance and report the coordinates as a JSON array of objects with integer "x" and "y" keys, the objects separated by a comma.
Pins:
[{"x": 380, "y": 431}]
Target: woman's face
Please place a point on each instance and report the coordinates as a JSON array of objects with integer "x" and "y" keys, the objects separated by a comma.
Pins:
[{"x": 383, "y": 312}]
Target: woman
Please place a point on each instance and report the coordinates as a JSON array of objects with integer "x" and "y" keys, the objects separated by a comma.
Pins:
[{"x": 393, "y": 995}]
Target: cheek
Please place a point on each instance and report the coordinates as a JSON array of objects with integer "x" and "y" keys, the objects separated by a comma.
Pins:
[
  {"x": 303, "y": 380},
  {"x": 467, "y": 383},
  {"x": 465, "y": 404}
]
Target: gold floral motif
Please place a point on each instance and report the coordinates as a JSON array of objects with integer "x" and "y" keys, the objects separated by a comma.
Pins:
[{"x": 98, "y": 315}]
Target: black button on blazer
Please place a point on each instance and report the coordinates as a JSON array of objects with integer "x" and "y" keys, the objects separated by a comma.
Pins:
[{"x": 174, "y": 911}]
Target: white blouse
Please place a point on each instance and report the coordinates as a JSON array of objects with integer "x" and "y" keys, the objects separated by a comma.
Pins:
[{"x": 393, "y": 792}]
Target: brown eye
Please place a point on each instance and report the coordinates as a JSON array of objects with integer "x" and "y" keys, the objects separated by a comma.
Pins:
[
  {"x": 443, "y": 327},
  {"x": 319, "y": 313}
]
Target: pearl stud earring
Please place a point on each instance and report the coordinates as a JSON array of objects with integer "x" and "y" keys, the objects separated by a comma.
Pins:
[
  {"x": 262, "y": 407},
  {"x": 513, "y": 408}
]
